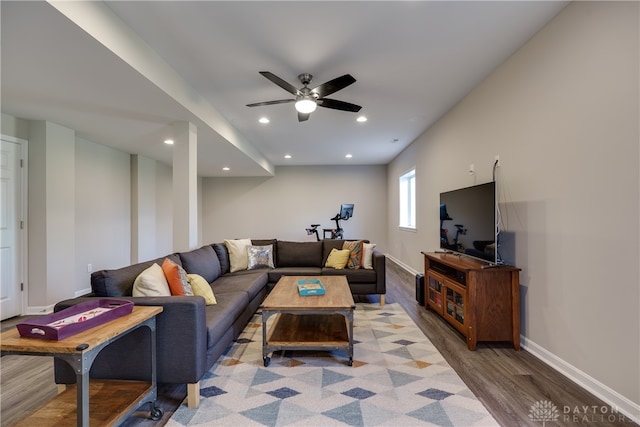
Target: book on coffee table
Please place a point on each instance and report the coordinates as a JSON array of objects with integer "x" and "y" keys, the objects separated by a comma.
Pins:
[{"x": 308, "y": 287}]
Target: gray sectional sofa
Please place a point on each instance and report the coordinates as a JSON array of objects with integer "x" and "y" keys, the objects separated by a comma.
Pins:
[{"x": 190, "y": 335}]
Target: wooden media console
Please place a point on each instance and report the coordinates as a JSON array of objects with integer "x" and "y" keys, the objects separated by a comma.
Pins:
[{"x": 480, "y": 300}]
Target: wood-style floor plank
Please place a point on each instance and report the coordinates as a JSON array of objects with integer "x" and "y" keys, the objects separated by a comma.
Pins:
[{"x": 506, "y": 381}]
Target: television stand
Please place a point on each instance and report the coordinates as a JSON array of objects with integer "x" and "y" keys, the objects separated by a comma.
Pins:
[{"x": 480, "y": 300}]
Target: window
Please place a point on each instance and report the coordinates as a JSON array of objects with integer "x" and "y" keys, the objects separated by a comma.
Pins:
[{"x": 408, "y": 199}]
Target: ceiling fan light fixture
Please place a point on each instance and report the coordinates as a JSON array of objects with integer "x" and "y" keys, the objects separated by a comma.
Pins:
[{"x": 305, "y": 104}]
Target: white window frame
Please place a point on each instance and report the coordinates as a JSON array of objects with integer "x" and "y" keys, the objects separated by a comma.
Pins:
[{"x": 407, "y": 200}]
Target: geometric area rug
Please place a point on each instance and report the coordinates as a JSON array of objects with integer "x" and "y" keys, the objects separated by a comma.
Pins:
[{"x": 398, "y": 378}]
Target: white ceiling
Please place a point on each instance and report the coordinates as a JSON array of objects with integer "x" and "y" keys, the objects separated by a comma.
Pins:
[{"x": 124, "y": 83}]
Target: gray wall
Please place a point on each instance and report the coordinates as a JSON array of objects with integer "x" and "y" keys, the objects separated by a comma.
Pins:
[
  {"x": 563, "y": 115},
  {"x": 284, "y": 205}
]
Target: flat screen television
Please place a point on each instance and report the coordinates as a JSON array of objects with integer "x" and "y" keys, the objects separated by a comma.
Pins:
[{"x": 468, "y": 221}]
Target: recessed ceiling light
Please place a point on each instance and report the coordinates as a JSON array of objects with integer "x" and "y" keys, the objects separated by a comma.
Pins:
[
  {"x": 287, "y": 156},
  {"x": 361, "y": 119},
  {"x": 168, "y": 141},
  {"x": 348, "y": 156},
  {"x": 226, "y": 168},
  {"x": 263, "y": 120}
]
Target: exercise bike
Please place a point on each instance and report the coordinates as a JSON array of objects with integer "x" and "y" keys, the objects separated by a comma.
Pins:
[
  {"x": 314, "y": 230},
  {"x": 346, "y": 212},
  {"x": 334, "y": 233}
]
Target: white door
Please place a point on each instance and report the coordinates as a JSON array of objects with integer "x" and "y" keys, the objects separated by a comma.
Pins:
[{"x": 10, "y": 230}]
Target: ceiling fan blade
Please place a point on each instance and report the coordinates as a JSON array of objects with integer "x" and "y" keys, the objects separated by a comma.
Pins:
[
  {"x": 280, "y": 101},
  {"x": 303, "y": 117},
  {"x": 282, "y": 83},
  {"x": 338, "y": 105},
  {"x": 333, "y": 85}
]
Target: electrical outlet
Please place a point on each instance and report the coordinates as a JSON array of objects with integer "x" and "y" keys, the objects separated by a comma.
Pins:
[
  {"x": 472, "y": 168},
  {"x": 89, "y": 268},
  {"x": 497, "y": 160}
]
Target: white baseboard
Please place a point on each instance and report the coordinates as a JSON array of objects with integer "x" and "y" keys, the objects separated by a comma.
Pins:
[
  {"x": 39, "y": 310},
  {"x": 610, "y": 396},
  {"x": 403, "y": 265},
  {"x": 82, "y": 292},
  {"x": 617, "y": 401}
]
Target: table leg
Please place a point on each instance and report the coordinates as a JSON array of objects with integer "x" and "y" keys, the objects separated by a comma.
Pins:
[
  {"x": 82, "y": 416},
  {"x": 350, "y": 322},
  {"x": 265, "y": 358}
]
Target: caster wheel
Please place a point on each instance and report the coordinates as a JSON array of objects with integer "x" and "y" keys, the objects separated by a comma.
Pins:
[
  {"x": 266, "y": 361},
  {"x": 156, "y": 414},
  {"x": 350, "y": 362}
]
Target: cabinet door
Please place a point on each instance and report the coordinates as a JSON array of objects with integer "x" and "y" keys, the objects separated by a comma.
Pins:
[
  {"x": 435, "y": 286},
  {"x": 455, "y": 306}
]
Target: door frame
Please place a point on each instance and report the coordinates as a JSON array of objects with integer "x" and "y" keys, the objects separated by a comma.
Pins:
[{"x": 24, "y": 234}]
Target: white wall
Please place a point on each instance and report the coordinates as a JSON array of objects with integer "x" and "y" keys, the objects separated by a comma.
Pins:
[
  {"x": 102, "y": 210},
  {"x": 143, "y": 208},
  {"x": 164, "y": 210},
  {"x": 51, "y": 221},
  {"x": 80, "y": 210},
  {"x": 284, "y": 205},
  {"x": 563, "y": 115}
]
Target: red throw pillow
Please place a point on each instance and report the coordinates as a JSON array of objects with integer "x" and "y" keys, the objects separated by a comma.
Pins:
[{"x": 177, "y": 278}]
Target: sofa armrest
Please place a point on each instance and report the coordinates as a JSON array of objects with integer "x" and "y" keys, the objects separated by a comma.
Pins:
[
  {"x": 181, "y": 344},
  {"x": 379, "y": 265}
]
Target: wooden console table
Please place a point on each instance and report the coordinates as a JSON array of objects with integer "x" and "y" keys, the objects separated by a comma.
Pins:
[
  {"x": 481, "y": 301},
  {"x": 80, "y": 351}
]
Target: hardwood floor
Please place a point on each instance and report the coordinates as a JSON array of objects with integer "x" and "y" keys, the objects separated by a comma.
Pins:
[{"x": 506, "y": 381}]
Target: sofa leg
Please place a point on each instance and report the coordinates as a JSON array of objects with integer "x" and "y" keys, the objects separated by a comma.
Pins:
[
  {"x": 193, "y": 395},
  {"x": 381, "y": 300}
]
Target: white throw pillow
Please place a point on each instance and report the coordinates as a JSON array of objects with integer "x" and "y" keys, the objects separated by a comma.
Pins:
[
  {"x": 151, "y": 283},
  {"x": 367, "y": 255},
  {"x": 238, "y": 258}
]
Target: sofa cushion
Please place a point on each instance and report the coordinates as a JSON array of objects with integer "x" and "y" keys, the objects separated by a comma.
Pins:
[
  {"x": 338, "y": 258},
  {"x": 176, "y": 277},
  {"x": 266, "y": 242},
  {"x": 251, "y": 282},
  {"x": 367, "y": 255},
  {"x": 221, "y": 316},
  {"x": 223, "y": 256},
  {"x": 203, "y": 262},
  {"x": 299, "y": 254},
  {"x": 119, "y": 282},
  {"x": 328, "y": 245},
  {"x": 259, "y": 257},
  {"x": 237, "y": 253},
  {"x": 355, "y": 255},
  {"x": 151, "y": 283},
  {"x": 277, "y": 273},
  {"x": 359, "y": 275},
  {"x": 201, "y": 287}
]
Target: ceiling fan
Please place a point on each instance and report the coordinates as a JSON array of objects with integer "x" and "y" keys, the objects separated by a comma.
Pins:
[{"x": 307, "y": 99}]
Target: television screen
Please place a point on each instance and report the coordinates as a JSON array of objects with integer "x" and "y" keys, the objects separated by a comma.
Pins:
[{"x": 468, "y": 221}]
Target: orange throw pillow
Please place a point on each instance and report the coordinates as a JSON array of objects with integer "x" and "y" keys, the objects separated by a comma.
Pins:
[{"x": 177, "y": 278}]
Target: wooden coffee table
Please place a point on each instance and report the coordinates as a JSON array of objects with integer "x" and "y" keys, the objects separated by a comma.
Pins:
[{"x": 319, "y": 322}]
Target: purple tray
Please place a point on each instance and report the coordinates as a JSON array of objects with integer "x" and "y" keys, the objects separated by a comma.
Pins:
[{"x": 76, "y": 319}]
